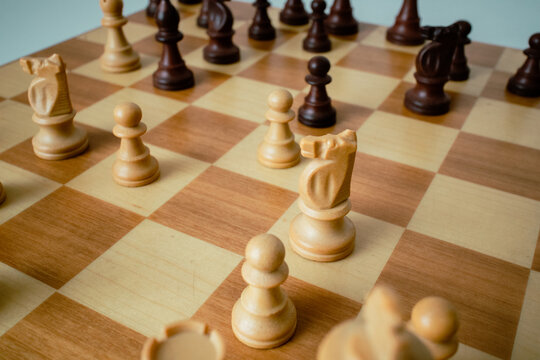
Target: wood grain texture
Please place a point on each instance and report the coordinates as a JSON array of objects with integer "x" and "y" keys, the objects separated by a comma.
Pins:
[
  {"x": 487, "y": 292},
  {"x": 380, "y": 61},
  {"x": 460, "y": 107},
  {"x": 224, "y": 208},
  {"x": 497, "y": 164},
  {"x": 74, "y": 52},
  {"x": 279, "y": 70},
  {"x": 483, "y": 54},
  {"x": 61, "y": 328},
  {"x": 200, "y": 133},
  {"x": 102, "y": 144},
  {"x": 53, "y": 248},
  {"x": 318, "y": 310},
  {"x": 387, "y": 190},
  {"x": 536, "y": 259}
]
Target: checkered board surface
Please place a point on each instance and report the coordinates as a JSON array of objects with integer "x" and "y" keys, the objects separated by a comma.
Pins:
[{"x": 446, "y": 205}]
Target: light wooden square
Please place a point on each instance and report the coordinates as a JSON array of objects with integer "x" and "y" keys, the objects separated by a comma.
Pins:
[
  {"x": 353, "y": 276},
  {"x": 188, "y": 26},
  {"x": 405, "y": 140},
  {"x": 293, "y": 48},
  {"x": 14, "y": 80},
  {"x": 511, "y": 60},
  {"x": 242, "y": 159},
  {"x": 378, "y": 38},
  {"x": 155, "y": 109},
  {"x": 93, "y": 70},
  {"x": 359, "y": 87},
  {"x": 151, "y": 277},
  {"x": 483, "y": 219},
  {"x": 176, "y": 172},
  {"x": 132, "y": 30},
  {"x": 248, "y": 57},
  {"x": 23, "y": 189},
  {"x": 504, "y": 121},
  {"x": 244, "y": 98},
  {"x": 526, "y": 343},
  {"x": 16, "y": 124},
  {"x": 20, "y": 294}
]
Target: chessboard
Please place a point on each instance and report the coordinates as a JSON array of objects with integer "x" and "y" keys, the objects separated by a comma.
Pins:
[{"x": 446, "y": 205}]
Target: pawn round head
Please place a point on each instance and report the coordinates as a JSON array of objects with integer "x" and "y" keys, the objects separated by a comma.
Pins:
[
  {"x": 534, "y": 41},
  {"x": 111, "y": 6},
  {"x": 265, "y": 252},
  {"x": 280, "y": 100},
  {"x": 318, "y": 66},
  {"x": 127, "y": 114},
  {"x": 318, "y": 6},
  {"x": 435, "y": 319},
  {"x": 464, "y": 27}
]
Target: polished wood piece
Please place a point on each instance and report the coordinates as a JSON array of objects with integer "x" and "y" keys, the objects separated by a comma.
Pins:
[
  {"x": 189, "y": 2},
  {"x": 118, "y": 55},
  {"x": 526, "y": 81},
  {"x": 188, "y": 339},
  {"x": 2, "y": 194},
  {"x": 294, "y": 13},
  {"x": 459, "y": 70},
  {"x": 151, "y": 8},
  {"x": 221, "y": 49},
  {"x": 261, "y": 27},
  {"x": 322, "y": 232},
  {"x": 264, "y": 317},
  {"x": 134, "y": 166},
  {"x": 433, "y": 72},
  {"x": 406, "y": 29},
  {"x": 202, "y": 18},
  {"x": 172, "y": 72},
  {"x": 317, "y": 39},
  {"x": 48, "y": 94},
  {"x": 341, "y": 20},
  {"x": 317, "y": 110},
  {"x": 278, "y": 149}
]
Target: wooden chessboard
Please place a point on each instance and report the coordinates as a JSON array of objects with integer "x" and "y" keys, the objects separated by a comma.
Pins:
[{"x": 446, "y": 205}]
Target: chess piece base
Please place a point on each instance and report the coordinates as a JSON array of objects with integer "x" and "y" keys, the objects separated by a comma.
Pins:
[
  {"x": 293, "y": 19},
  {"x": 341, "y": 28},
  {"x": 136, "y": 173},
  {"x": 2, "y": 194},
  {"x": 518, "y": 88},
  {"x": 223, "y": 56},
  {"x": 416, "y": 102},
  {"x": 263, "y": 332},
  {"x": 118, "y": 64},
  {"x": 323, "y": 235},
  {"x": 174, "y": 79},
  {"x": 262, "y": 33},
  {"x": 316, "y": 46},
  {"x": 190, "y": 2},
  {"x": 460, "y": 76},
  {"x": 399, "y": 36},
  {"x": 317, "y": 118},
  {"x": 58, "y": 138},
  {"x": 283, "y": 158}
]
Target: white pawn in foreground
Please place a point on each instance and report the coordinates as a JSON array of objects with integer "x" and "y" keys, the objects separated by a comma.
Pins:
[
  {"x": 264, "y": 317},
  {"x": 118, "y": 55},
  {"x": 134, "y": 166},
  {"x": 278, "y": 149}
]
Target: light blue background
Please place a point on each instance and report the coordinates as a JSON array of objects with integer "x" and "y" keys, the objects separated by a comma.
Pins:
[{"x": 27, "y": 26}]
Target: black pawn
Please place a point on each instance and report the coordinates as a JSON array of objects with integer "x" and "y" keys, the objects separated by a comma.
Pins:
[
  {"x": 172, "y": 73},
  {"x": 317, "y": 40},
  {"x": 220, "y": 48},
  {"x": 341, "y": 20},
  {"x": 261, "y": 28},
  {"x": 317, "y": 110},
  {"x": 202, "y": 19},
  {"x": 526, "y": 81},
  {"x": 189, "y": 2},
  {"x": 293, "y": 13},
  {"x": 151, "y": 8},
  {"x": 459, "y": 70}
]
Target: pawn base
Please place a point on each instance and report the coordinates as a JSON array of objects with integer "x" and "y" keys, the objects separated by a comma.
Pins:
[
  {"x": 262, "y": 34},
  {"x": 293, "y": 18},
  {"x": 119, "y": 65},
  {"x": 341, "y": 28},
  {"x": 223, "y": 56},
  {"x": 317, "y": 118},
  {"x": 518, "y": 88},
  {"x": 407, "y": 38},
  {"x": 138, "y": 173},
  {"x": 317, "y": 46},
  {"x": 280, "y": 156},
  {"x": 277, "y": 165},
  {"x": 460, "y": 75},
  {"x": 173, "y": 79}
]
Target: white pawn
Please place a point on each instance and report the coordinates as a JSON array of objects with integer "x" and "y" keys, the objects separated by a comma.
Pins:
[
  {"x": 264, "y": 317},
  {"x": 2, "y": 194},
  {"x": 278, "y": 149},
  {"x": 118, "y": 55},
  {"x": 134, "y": 165}
]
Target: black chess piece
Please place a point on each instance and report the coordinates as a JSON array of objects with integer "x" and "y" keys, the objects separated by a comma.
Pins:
[
  {"x": 433, "y": 71},
  {"x": 293, "y": 13},
  {"x": 526, "y": 81},
  {"x": 459, "y": 70},
  {"x": 220, "y": 49},
  {"x": 317, "y": 110},
  {"x": 341, "y": 20},
  {"x": 151, "y": 8},
  {"x": 261, "y": 28},
  {"x": 172, "y": 73},
  {"x": 406, "y": 29},
  {"x": 189, "y": 2},
  {"x": 202, "y": 19},
  {"x": 317, "y": 40}
]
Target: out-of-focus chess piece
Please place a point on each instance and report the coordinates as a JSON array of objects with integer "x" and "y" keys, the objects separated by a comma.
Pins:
[
  {"x": 2, "y": 194},
  {"x": 526, "y": 81}
]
